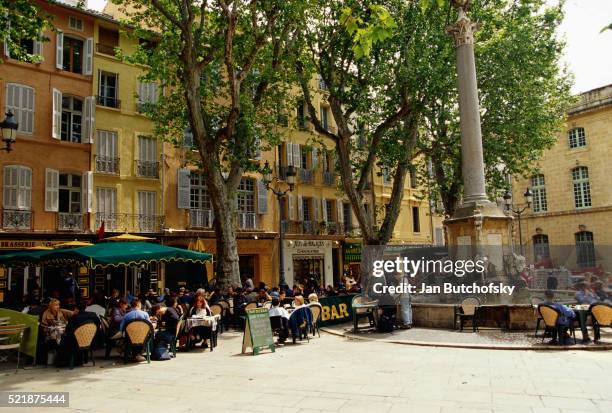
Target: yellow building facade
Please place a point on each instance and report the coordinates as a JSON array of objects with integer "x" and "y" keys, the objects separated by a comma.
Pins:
[{"x": 570, "y": 220}]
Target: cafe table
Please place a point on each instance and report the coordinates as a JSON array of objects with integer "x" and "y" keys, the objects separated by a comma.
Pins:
[
  {"x": 206, "y": 321},
  {"x": 582, "y": 313}
]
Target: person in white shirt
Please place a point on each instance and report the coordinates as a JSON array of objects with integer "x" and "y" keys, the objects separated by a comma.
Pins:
[
  {"x": 94, "y": 307},
  {"x": 277, "y": 311}
]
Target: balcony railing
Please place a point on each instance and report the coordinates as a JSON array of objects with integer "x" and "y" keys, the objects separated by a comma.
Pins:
[
  {"x": 70, "y": 221},
  {"x": 147, "y": 169},
  {"x": 16, "y": 219},
  {"x": 247, "y": 221},
  {"x": 328, "y": 178},
  {"x": 334, "y": 228},
  {"x": 107, "y": 164},
  {"x": 108, "y": 101},
  {"x": 306, "y": 176},
  {"x": 108, "y": 49},
  {"x": 117, "y": 222},
  {"x": 200, "y": 218}
]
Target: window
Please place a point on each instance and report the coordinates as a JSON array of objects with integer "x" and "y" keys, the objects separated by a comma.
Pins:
[
  {"x": 329, "y": 211},
  {"x": 301, "y": 115},
  {"x": 577, "y": 138},
  {"x": 106, "y": 201},
  {"x": 246, "y": 195},
  {"x": 73, "y": 55},
  {"x": 348, "y": 216},
  {"x": 386, "y": 175},
  {"x": 147, "y": 95},
  {"x": 585, "y": 249},
  {"x": 322, "y": 84},
  {"x": 70, "y": 193},
  {"x": 20, "y": 101},
  {"x": 147, "y": 165},
  {"x": 582, "y": 188},
  {"x": 306, "y": 209},
  {"x": 539, "y": 193},
  {"x": 72, "y": 116},
  {"x": 304, "y": 156},
  {"x": 108, "y": 39},
  {"x": 416, "y": 221},
  {"x": 199, "y": 197},
  {"x": 146, "y": 211},
  {"x": 324, "y": 118},
  {"x": 17, "y": 187},
  {"x": 413, "y": 180},
  {"x": 108, "y": 86},
  {"x": 541, "y": 249},
  {"x": 74, "y": 23},
  {"x": 106, "y": 152}
]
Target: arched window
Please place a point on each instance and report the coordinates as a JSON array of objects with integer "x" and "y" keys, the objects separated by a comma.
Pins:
[
  {"x": 541, "y": 248},
  {"x": 582, "y": 188},
  {"x": 577, "y": 138},
  {"x": 585, "y": 249},
  {"x": 538, "y": 190}
]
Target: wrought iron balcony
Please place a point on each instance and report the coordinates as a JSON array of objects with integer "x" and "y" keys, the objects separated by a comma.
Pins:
[
  {"x": 334, "y": 228},
  {"x": 149, "y": 223},
  {"x": 117, "y": 222},
  {"x": 247, "y": 221},
  {"x": 70, "y": 221},
  {"x": 107, "y": 164},
  {"x": 306, "y": 176},
  {"x": 16, "y": 219},
  {"x": 147, "y": 169},
  {"x": 200, "y": 218},
  {"x": 108, "y": 101},
  {"x": 328, "y": 178}
]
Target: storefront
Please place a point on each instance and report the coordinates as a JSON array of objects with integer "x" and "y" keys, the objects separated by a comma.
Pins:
[{"x": 308, "y": 261}]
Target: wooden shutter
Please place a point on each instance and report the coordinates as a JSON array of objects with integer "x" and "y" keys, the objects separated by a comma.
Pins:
[
  {"x": 340, "y": 210},
  {"x": 315, "y": 209},
  {"x": 9, "y": 198},
  {"x": 324, "y": 209},
  {"x": 315, "y": 160},
  {"x": 289, "y": 152},
  {"x": 87, "y": 191},
  {"x": 262, "y": 197},
  {"x": 59, "y": 50},
  {"x": 300, "y": 205},
  {"x": 38, "y": 46},
  {"x": 297, "y": 155},
  {"x": 88, "y": 57},
  {"x": 184, "y": 188},
  {"x": 89, "y": 122},
  {"x": 51, "y": 190},
  {"x": 56, "y": 126},
  {"x": 24, "y": 200},
  {"x": 290, "y": 201}
]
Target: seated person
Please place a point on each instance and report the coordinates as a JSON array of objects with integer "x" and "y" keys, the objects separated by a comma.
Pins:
[
  {"x": 116, "y": 317},
  {"x": 563, "y": 322},
  {"x": 276, "y": 310},
  {"x": 262, "y": 296},
  {"x": 135, "y": 313},
  {"x": 95, "y": 305},
  {"x": 68, "y": 344},
  {"x": 240, "y": 300},
  {"x": 200, "y": 309},
  {"x": 169, "y": 317},
  {"x": 300, "y": 316},
  {"x": 54, "y": 321},
  {"x": 313, "y": 298},
  {"x": 600, "y": 293},
  {"x": 33, "y": 307},
  {"x": 584, "y": 295}
]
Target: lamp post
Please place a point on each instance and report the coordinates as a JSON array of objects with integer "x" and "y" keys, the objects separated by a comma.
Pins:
[
  {"x": 280, "y": 188},
  {"x": 508, "y": 202},
  {"x": 9, "y": 131}
]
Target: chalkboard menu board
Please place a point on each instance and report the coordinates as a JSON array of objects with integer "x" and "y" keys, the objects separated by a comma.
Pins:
[{"x": 257, "y": 331}]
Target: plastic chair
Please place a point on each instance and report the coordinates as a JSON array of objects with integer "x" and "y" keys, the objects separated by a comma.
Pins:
[
  {"x": 138, "y": 334},
  {"x": 84, "y": 336},
  {"x": 602, "y": 317},
  {"x": 13, "y": 332},
  {"x": 468, "y": 311}
]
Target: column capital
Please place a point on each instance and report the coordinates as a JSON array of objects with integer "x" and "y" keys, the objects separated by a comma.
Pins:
[{"x": 463, "y": 30}]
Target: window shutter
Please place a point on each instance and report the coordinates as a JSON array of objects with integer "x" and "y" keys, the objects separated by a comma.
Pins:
[
  {"x": 315, "y": 160},
  {"x": 38, "y": 45},
  {"x": 56, "y": 130},
  {"x": 184, "y": 188},
  {"x": 25, "y": 188},
  {"x": 262, "y": 197},
  {"x": 59, "y": 50},
  {"x": 9, "y": 198},
  {"x": 290, "y": 206},
  {"x": 89, "y": 124},
  {"x": 289, "y": 152},
  {"x": 51, "y": 190},
  {"x": 88, "y": 64},
  {"x": 300, "y": 205},
  {"x": 187, "y": 138},
  {"x": 297, "y": 155},
  {"x": 87, "y": 192},
  {"x": 324, "y": 209},
  {"x": 340, "y": 210},
  {"x": 315, "y": 209},
  {"x": 153, "y": 93}
]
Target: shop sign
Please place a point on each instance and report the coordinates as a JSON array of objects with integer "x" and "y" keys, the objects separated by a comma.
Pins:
[
  {"x": 352, "y": 252},
  {"x": 309, "y": 247},
  {"x": 22, "y": 244}
]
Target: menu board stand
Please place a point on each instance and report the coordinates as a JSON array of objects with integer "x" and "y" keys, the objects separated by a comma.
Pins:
[{"x": 257, "y": 331}]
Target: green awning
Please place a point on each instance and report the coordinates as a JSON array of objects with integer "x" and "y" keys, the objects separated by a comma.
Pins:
[
  {"x": 111, "y": 254},
  {"x": 24, "y": 257}
]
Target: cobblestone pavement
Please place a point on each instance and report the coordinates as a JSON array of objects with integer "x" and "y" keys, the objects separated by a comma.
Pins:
[
  {"x": 333, "y": 374},
  {"x": 483, "y": 338}
]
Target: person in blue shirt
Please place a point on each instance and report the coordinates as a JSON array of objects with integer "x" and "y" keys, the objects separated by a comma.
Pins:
[
  {"x": 585, "y": 295},
  {"x": 564, "y": 320},
  {"x": 135, "y": 313}
]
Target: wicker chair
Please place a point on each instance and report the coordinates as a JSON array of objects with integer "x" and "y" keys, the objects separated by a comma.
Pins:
[
  {"x": 316, "y": 309},
  {"x": 550, "y": 315},
  {"x": 602, "y": 317},
  {"x": 14, "y": 335},
  {"x": 177, "y": 336},
  {"x": 468, "y": 310},
  {"x": 217, "y": 309},
  {"x": 536, "y": 301},
  {"x": 84, "y": 336},
  {"x": 250, "y": 306},
  {"x": 138, "y": 334}
]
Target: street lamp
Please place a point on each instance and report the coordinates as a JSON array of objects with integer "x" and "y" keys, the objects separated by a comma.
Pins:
[
  {"x": 508, "y": 202},
  {"x": 280, "y": 188},
  {"x": 9, "y": 131}
]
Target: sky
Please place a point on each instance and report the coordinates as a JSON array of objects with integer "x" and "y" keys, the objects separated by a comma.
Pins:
[{"x": 588, "y": 52}]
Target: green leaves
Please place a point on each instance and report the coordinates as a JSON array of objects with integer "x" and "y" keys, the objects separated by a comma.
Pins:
[
  {"x": 608, "y": 27},
  {"x": 376, "y": 26}
]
